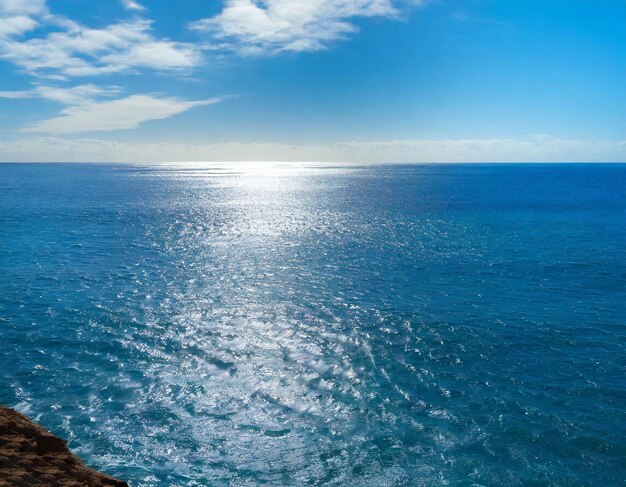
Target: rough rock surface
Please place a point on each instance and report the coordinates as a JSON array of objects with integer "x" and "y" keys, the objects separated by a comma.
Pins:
[{"x": 30, "y": 455}]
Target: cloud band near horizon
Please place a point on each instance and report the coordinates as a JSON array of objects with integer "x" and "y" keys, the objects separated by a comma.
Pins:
[{"x": 533, "y": 149}]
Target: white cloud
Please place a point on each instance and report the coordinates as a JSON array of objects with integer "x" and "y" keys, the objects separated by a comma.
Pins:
[
  {"x": 76, "y": 50},
  {"x": 157, "y": 54},
  {"x": 123, "y": 113},
  {"x": 76, "y": 95},
  {"x": 535, "y": 149},
  {"x": 17, "y": 94},
  {"x": 270, "y": 26},
  {"x": 131, "y": 5},
  {"x": 22, "y": 7},
  {"x": 69, "y": 96},
  {"x": 16, "y": 16},
  {"x": 16, "y": 25}
]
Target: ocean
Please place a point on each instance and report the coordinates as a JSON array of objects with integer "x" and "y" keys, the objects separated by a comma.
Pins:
[{"x": 287, "y": 324}]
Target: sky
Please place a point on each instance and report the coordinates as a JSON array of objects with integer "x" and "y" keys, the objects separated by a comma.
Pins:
[{"x": 313, "y": 80}]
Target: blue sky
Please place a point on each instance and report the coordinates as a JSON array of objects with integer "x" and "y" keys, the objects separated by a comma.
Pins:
[{"x": 343, "y": 80}]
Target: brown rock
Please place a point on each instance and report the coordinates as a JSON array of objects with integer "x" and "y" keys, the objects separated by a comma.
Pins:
[{"x": 31, "y": 456}]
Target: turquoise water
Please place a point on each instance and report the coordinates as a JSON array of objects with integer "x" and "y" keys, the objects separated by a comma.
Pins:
[{"x": 320, "y": 325}]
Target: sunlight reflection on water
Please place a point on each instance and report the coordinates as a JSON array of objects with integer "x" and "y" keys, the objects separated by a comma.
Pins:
[{"x": 242, "y": 324}]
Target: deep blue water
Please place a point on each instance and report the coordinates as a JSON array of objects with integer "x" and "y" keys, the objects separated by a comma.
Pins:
[{"x": 365, "y": 326}]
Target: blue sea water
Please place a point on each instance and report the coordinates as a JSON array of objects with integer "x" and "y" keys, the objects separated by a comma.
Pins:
[{"x": 320, "y": 325}]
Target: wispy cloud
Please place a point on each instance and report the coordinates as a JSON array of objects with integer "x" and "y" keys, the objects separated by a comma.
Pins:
[
  {"x": 123, "y": 113},
  {"x": 132, "y": 5},
  {"x": 464, "y": 17},
  {"x": 271, "y": 26},
  {"x": 72, "y": 49},
  {"x": 16, "y": 16},
  {"x": 22, "y": 7},
  {"x": 16, "y": 25},
  {"x": 533, "y": 149},
  {"x": 70, "y": 96}
]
